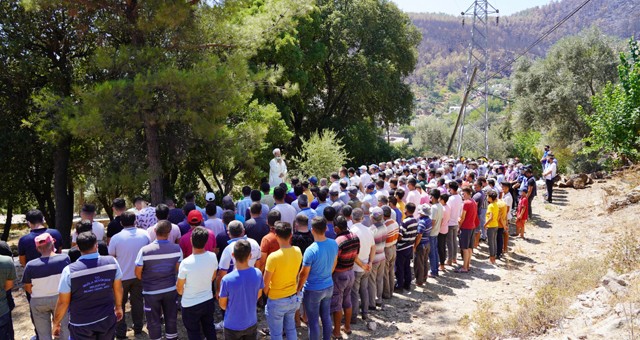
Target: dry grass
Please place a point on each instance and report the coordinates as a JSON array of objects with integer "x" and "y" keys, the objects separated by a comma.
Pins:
[
  {"x": 625, "y": 253},
  {"x": 629, "y": 302},
  {"x": 549, "y": 305}
]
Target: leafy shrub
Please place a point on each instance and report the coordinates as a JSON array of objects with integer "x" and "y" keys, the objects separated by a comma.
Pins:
[
  {"x": 615, "y": 124},
  {"x": 320, "y": 155}
]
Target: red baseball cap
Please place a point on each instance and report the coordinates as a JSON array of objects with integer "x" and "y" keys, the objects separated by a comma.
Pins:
[{"x": 194, "y": 217}]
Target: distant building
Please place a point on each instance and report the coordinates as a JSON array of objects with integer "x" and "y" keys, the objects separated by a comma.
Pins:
[{"x": 453, "y": 109}]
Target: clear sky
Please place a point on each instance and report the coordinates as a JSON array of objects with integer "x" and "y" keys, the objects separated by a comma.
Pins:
[{"x": 454, "y": 7}]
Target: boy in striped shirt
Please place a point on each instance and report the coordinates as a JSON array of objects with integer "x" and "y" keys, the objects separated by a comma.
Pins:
[
  {"x": 389, "y": 252},
  {"x": 404, "y": 249}
]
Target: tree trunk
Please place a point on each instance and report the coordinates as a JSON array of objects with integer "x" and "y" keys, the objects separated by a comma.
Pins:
[
  {"x": 7, "y": 224},
  {"x": 204, "y": 180},
  {"x": 155, "y": 164},
  {"x": 63, "y": 194}
]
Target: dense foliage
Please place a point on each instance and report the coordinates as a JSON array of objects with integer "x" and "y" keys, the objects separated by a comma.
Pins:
[
  {"x": 320, "y": 155},
  {"x": 108, "y": 98},
  {"x": 615, "y": 123},
  {"x": 348, "y": 60}
]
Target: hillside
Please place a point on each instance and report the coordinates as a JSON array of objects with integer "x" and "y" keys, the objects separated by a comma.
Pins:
[{"x": 443, "y": 52}]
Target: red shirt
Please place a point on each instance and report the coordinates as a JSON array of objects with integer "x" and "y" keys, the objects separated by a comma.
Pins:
[
  {"x": 471, "y": 214},
  {"x": 523, "y": 207},
  {"x": 269, "y": 243},
  {"x": 185, "y": 243}
]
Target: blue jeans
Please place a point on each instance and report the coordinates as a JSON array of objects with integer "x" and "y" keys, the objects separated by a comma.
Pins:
[
  {"x": 482, "y": 216},
  {"x": 281, "y": 315},
  {"x": 317, "y": 305},
  {"x": 433, "y": 255}
]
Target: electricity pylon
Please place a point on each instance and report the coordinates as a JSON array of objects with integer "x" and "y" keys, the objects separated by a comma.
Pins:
[{"x": 479, "y": 12}]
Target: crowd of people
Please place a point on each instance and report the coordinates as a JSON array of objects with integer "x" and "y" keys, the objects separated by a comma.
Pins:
[{"x": 326, "y": 252}]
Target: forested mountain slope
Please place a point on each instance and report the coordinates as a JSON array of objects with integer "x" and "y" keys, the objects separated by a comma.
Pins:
[{"x": 443, "y": 52}]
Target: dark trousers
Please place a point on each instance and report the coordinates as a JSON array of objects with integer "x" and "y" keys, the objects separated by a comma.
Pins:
[
  {"x": 250, "y": 333},
  {"x": 6, "y": 326},
  {"x": 158, "y": 306},
  {"x": 403, "y": 268},
  {"x": 442, "y": 248},
  {"x": 132, "y": 291},
  {"x": 499, "y": 241},
  {"x": 549, "y": 183},
  {"x": 103, "y": 330},
  {"x": 198, "y": 319}
]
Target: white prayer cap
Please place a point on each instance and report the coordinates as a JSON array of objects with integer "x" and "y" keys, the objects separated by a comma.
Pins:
[{"x": 276, "y": 150}]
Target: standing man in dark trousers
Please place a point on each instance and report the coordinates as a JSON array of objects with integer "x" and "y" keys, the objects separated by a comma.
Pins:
[
  {"x": 195, "y": 274},
  {"x": 7, "y": 276},
  {"x": 124, "y": 246},
  {"x": 549, "y": 173},
  {"x": 404, "y": 249},
  {"x": 156, "y": 266},
  {"x": 532, "y": 189},
  {"x": 91, "y": 289}
]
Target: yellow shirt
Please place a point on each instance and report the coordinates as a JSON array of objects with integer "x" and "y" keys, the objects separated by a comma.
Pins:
[
  {"x": 285, "y": 265},
  {"x": 309, "y": 195},
  {"x": 494, "y": 211},
  {"x": 502, "y": 214},
  {"x": 401, "y": 206}
]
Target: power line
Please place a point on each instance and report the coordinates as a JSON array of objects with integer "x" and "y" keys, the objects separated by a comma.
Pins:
[{"x": 534, "y": 44}]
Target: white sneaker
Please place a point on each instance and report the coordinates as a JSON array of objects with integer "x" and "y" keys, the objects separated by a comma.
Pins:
[{"x": 219, "y": 326}]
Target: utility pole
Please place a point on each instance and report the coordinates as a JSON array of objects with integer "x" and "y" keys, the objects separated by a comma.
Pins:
[
  {"x": 478, "y": 57},
  {"x": 462, "y": 109}
]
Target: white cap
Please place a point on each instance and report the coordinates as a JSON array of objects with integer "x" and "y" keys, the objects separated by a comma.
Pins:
[
  {"x": 363, "y": 167},
  {"x": 210, "y": 197},
  {"x": 276, "y": 150}
]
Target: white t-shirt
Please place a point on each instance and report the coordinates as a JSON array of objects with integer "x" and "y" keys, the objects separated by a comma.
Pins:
[
  {"x": 508, "y": 200},
  {"x": 381, "y": 193},
  {"x": 287, "y": 212},
  {"x": 335, "y": 186},
  {"x": 226, "y": 260},
  {"x": 553, "y": 167},
  {"x": 215, "y": 225},
  {"x": 296, "y": 206},
  {"x": 365, "y": 179},
  {"x": 96, "y": 227},
  {"x": 455, "y": 208},
  {"x": 198, "y": 271},
  {"x": 174, "y": 234},
  {"x": 414, "y": 197},
  {"x": 366, "y": 242}
]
